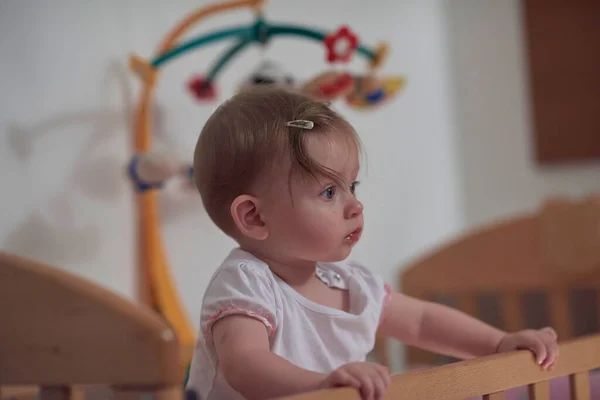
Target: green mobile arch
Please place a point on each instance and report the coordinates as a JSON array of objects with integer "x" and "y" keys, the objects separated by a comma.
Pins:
[{"x": 260, "y": 32}]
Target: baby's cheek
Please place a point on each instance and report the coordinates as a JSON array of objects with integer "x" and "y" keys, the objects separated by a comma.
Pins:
[
  {"x": 321, "y": 226},
  {"x": 320, "y": 220}
]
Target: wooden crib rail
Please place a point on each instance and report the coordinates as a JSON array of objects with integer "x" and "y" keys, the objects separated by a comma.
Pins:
[
  {"x": 57, "y": 329},
  {"x": 489, "y": 377}
]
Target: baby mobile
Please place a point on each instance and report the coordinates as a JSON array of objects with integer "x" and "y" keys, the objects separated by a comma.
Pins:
[{"x": 149, "y": 169}]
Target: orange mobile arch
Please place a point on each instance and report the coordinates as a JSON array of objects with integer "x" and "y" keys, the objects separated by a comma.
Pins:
[{"x": 156, "y": 286}]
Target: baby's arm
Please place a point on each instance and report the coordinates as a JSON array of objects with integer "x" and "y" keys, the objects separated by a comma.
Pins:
[
  {"x": 448, "y": 331},
  {"x": 438, "y": 328},
  {"x": 242, "y": 346}
]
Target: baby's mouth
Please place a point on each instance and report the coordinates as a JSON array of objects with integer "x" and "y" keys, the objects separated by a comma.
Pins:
[{"x": 354, "y": 235}]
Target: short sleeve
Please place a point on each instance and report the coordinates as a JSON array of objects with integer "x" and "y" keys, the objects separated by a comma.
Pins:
[{"x": 238, "y": 289}]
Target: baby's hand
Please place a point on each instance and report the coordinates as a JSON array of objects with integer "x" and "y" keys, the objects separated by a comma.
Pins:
[
  {"x": 541, "y": 342},
  {"x": 370, "y": 379}
]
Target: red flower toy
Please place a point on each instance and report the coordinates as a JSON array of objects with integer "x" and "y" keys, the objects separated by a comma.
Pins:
[{"x": 341, "y": 44}]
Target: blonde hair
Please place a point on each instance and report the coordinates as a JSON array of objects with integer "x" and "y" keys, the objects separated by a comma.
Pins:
[{"x": 247, "y": 136}]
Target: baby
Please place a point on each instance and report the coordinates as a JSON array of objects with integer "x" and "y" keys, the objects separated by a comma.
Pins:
[{"x": 287, "y": 312}]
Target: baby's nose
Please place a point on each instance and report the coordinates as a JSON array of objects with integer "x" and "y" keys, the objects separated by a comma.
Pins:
[{"x": 354, "y": 209}]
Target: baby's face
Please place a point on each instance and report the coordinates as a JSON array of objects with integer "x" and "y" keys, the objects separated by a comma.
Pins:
[{"x": 318, "y": 220}]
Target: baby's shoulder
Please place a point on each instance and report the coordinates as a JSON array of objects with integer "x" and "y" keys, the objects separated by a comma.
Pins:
[
  {"x": 241, "y": 285},
  {"x": 244, "y": 262}
]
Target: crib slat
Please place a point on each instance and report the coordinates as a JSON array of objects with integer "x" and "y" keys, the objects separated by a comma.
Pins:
[
  {"x": 494, "y": 396},
  {"x": 511, "y": 312},
  {"x": 580, "y": 386},
  {"x": 559, "y": 312},
  {"x": 539, "y": 391},
  {"x": 55, "y": 393}
]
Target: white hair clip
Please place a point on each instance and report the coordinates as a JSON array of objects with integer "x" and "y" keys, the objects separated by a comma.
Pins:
[{"x": 301, "y": 123}]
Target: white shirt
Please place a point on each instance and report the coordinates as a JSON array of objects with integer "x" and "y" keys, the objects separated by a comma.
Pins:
[{"x": 307, "y": 334}]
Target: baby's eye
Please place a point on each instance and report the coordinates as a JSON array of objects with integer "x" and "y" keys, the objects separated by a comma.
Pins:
[
  {"x": 353, "y": 187},
  {"x": 329, "y": 192}
]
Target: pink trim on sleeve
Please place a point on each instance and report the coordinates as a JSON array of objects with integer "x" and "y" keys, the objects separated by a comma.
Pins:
[{"x": 265, "y": 318}]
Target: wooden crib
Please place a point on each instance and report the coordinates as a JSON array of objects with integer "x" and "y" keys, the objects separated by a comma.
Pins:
[
  {"x": 61, "y": 336},
  {"x": 67, "y": 335},
  {"x": 529, "y": 271}
]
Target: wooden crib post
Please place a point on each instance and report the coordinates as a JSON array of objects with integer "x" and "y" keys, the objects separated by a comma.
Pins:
[
  {"x": 539, "y": 391},
  {"x": 580, "y": 386}
]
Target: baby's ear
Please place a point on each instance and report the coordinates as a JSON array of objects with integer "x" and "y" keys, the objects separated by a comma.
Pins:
[{"x": 245, "y": 211}]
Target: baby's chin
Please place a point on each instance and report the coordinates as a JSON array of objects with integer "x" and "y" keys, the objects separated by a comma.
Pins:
[{"x": 337, "y": 256}]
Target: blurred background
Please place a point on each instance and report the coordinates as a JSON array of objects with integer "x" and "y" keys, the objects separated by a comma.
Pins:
[{"x": 457, "y": 148}]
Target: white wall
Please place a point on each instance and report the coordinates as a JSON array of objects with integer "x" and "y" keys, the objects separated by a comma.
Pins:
[
  {"x": 64, "y": 131},
  {"x": 488, "y": 64}
]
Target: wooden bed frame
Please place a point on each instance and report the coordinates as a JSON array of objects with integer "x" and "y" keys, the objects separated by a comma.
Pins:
[
  {"x": 61, "y": 333},
  {"x": 529, "y": 271}
]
